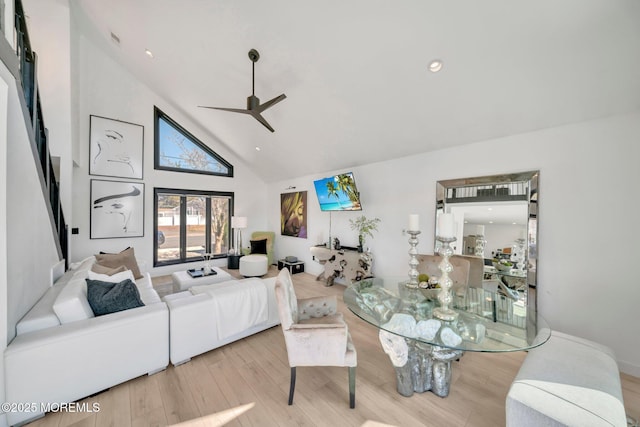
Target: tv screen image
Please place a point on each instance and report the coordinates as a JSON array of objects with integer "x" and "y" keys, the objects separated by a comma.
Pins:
[{"x": 338, "y": 193}]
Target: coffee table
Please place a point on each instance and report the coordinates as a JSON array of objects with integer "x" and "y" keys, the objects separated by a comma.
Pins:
[
  {"x": 421, "y": 347},
  {"x": 182, "y": 280}
]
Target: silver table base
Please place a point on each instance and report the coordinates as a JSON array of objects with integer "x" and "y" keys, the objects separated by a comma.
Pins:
[{"x": 428, "y": 368}]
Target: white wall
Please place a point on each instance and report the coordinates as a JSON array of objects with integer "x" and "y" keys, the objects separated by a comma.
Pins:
[
  {"x": 4, "y": 99},
  {"x": 27, "y": 246},
  {"x": 587, "y": 234},
  {"x": 106, "y": 89},
  {"x": 54, "y": 62}
]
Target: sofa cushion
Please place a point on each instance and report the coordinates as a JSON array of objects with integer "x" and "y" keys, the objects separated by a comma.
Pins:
[
  {"x": 113, "y": 278},
  {"x": 126, "y": 257},
  {"x": 41, "y": 315},
  {"x": 71, "y": 304},
  {"x": 85, "y": 264},
  {"x": 148, "y": 294},
  {"x": 107, "y": 297},
  {"x": 100, "y": 269}
]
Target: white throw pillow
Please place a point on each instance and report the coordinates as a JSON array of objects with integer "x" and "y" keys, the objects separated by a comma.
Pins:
[
  {"x": 115, "y": 278},
  {"x": 72, "y": 304}
]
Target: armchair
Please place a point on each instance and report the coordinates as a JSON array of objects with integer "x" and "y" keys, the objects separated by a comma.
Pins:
[
  {"x": 270, "y": 236},
  {"x": 315, "y": 333}
]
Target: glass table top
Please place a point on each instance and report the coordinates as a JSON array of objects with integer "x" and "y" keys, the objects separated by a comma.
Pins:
[{"x": 487, "y": 321}]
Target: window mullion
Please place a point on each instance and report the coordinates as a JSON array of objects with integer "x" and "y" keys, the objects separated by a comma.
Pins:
[
  {"x": 207, "y": 226},
  {"x": 183, "y": 228}
]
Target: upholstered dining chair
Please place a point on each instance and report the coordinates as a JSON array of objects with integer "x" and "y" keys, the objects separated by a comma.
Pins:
[
  {"x": 430, "y": 265},
  {"x": 315, "y": 334}
]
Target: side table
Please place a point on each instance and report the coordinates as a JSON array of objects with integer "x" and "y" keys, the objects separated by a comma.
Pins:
[
  {"x": 293, "y": 267},
  {"x": 233, "y": 261}
]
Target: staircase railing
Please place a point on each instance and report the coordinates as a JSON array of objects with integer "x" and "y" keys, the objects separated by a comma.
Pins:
[{"x": 27, "y": 64}]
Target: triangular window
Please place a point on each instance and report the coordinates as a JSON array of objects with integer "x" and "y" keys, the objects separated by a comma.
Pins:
[{"x": 179, "y": 151}]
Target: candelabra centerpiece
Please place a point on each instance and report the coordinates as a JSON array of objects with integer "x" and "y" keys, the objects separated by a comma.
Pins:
[
  {"x": 518, "y": 255},
  {"x": 445, "y": 235},
  {"x": 479, "y": 250},
  {"x": 413, "y": 259},
  {"x": 445, "y": 295},
  {"x": 480, "y": 242}
]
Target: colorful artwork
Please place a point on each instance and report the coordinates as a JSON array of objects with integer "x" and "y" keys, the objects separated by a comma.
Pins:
[{"x": 293, "y": 214}]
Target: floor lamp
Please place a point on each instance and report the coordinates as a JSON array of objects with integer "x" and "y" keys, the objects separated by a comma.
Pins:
[{"x": 238, "y": 223}]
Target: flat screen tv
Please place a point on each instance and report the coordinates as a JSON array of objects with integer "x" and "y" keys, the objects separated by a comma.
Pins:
[{"x": 338, "y": 193}]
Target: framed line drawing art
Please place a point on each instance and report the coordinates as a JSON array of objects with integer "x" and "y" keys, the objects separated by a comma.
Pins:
[
  {"x": 115, "y": 148},
  {"x": 117, "y": 209}
]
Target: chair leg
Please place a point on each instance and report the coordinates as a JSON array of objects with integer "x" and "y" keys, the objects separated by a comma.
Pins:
[
  {"x": 293, "y": 385},
  {"x": 352, "y": 387}
]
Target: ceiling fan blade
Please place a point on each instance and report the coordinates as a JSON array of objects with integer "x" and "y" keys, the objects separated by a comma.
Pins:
[
  {"x": 233, "y": 110},
  {"x": 271, "y": 102},
  {"x": 256, "y": 115},
  {"x": 254, "y": 107}
]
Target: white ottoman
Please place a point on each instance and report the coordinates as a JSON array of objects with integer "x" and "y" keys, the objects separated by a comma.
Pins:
[
  {"x": 183, "y": 280},
  {"x": 254, "y": 265}
]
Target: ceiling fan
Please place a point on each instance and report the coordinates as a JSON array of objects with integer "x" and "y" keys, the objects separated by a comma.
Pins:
[{"x": 254, "y": 108}]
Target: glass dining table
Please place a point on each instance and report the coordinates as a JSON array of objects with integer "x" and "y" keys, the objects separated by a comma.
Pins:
[{"x": 421, "y": 346}]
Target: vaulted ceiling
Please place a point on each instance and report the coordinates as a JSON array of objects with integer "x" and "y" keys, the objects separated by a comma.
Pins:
[{"x": 356, "y": 73}]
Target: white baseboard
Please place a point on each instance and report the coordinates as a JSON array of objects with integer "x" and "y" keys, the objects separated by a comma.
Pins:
[{"x": 629, "y": 368}]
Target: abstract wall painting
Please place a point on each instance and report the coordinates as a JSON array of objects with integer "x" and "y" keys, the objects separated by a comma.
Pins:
[
  {"x": 293, "y": 214},
  {"x": 117, "y": 209},
  {"x": 115, "y": 148}
]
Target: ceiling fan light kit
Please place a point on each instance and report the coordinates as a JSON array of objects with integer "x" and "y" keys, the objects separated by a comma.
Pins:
[{"x": 254, "y": 108}]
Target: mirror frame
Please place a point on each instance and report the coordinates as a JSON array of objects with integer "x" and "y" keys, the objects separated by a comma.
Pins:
[{"x": 530, "y": 178}]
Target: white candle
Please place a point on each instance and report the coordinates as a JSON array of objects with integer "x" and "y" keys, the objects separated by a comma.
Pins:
[
  {"x": 446, "y": 225},
  {"x": 480, "y": 230},
  {"x": 414, "y": 222}
]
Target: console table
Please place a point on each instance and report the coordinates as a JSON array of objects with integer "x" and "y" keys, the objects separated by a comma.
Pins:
[
  {"x": 342, "y": 265},
  {"x": 422, "y": 347}
]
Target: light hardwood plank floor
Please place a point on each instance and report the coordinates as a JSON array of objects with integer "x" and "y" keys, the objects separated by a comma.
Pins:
[{"x": 246, "y": 383}]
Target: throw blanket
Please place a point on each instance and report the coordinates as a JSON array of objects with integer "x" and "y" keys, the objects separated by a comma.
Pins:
[{"x": 238, "y": 304}]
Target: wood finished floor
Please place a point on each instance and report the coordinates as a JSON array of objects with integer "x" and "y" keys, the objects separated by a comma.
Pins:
[{"x": 246, "y": 383}]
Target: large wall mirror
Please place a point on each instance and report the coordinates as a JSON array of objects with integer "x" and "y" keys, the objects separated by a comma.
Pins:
[{"x": 497, "y": 228}]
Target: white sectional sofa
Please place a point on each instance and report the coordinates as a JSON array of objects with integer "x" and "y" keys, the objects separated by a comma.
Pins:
[
  {"x": 63, "y": 353},
  {"x": 210, "y": 316},
  {"x": 568, "y": 381}
]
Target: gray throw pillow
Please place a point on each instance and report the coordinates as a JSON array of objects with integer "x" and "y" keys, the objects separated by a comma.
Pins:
[{"x": 105, "y": 297}]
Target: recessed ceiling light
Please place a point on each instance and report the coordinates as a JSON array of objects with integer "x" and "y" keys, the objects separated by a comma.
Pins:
[
  {"x": 435, "y": 65},
  {"x": 257, "y": 148},
  {"x": 149, "y": 53}
]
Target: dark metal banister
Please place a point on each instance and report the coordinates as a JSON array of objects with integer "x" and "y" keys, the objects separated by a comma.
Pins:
[{"x": 27, "y": 64}]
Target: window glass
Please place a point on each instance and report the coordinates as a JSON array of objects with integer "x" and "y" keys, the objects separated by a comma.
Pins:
[
  {"x": 220, "y": 236},
  {"x": 196, "y": 224},
  {"x": 191, "y": 223},
  {"x": 168, "y": 229},
  {"x": 177, "y": 150}
]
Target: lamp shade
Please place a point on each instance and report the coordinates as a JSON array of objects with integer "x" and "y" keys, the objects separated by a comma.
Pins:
[{"x": 238, "y": 222}]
